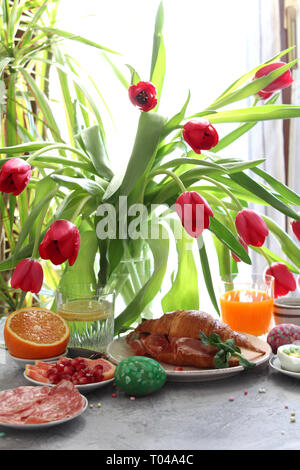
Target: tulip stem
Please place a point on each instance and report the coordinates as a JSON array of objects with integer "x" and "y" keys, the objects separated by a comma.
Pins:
[
  {"x": 219, "y": 202},
  {"x": 264, "y": 254},
  {"x": 163, "y": 172},
  {"x": 35, "y": 251},
  {"x": 226, "y": 190}
]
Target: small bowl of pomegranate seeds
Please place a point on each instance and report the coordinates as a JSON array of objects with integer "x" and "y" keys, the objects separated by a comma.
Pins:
[{"x": 85, "y": 374}]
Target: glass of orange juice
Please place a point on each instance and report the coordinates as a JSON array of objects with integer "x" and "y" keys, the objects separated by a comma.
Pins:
[{"x": 247, "y": 306}]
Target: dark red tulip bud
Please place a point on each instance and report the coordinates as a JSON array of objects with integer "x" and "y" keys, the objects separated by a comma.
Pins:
[
  {"x": 28, "y": 276},
  {"x": 283, "y": 81},
  {"x": 143, "y": 95},
  {"x": 14, "y": 176},
  {"x": 251, "y": 227},
  {"x": 194, "y": 212},
  {"x": 236, "y": 258},
  {"x": 284, "y": 281},
  {"x": 200, "y": 135},
  {"x": 296, "y": 228},
  {"x": 61, "y": 243}
]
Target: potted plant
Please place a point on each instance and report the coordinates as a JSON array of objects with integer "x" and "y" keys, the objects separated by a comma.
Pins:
[{"x": 175, "y": 162}]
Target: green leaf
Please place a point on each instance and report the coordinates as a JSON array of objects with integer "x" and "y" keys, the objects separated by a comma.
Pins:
[
  {"x": 158, "y": 61},
  {"x": 91, "y": 187},
  {"x": 184, "y": 293},
  {"x": 285, "y": 241},
  {"x": 175, "y": 121},
  {"x": 94, "y": 146},
  {"x": 257, "y": 113},
  {"x": 228, "y": 239},
  {"x": 74, "y": 37},
  {"x": 207, "y": 274},
  {"x": 291, "y": 196},
  {"x": 135, "y": 78},
  {"x": 147, "y": 138},
  {"x": 248, "y": 183},
  {"x": 160, "y": 249}
]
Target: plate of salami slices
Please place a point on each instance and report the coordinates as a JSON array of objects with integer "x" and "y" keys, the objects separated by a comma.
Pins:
[{"x": 31, "y": 407}]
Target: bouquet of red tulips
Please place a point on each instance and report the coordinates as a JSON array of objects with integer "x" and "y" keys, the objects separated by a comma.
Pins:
[{"x": 176, "y": 163}]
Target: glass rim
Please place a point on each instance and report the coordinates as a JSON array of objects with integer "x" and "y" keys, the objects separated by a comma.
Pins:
[{"x": 94, "y": 292}]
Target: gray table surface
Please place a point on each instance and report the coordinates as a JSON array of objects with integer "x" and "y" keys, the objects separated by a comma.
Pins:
[{"x": 180, "y": 416}]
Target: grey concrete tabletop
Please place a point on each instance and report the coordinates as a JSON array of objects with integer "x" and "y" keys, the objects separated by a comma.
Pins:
[{"x": 256, "y": 409}]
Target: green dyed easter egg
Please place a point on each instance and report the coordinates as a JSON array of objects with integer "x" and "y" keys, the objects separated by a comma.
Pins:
[{"x": 139, "y": 375}]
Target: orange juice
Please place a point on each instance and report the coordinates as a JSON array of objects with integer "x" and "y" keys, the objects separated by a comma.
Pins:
[{"x": 247, "y": 310}]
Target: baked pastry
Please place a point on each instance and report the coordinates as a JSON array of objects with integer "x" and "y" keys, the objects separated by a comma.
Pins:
[{"x": 174, "y": 338}]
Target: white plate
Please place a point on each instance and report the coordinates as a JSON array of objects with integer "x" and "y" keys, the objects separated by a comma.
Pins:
[
  {"x": 82, "y": 388},
  {"x": 45, "y": 425},
  {"x": 118, "y": 350},
  {"x": 275, "y": 364},
  {"x": 22, "y": 362}
]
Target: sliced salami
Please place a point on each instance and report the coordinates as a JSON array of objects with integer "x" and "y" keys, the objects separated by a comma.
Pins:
[{"x": 32, "y": 405}]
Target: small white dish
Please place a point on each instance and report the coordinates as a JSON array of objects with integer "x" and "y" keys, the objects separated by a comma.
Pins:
[
  {"x": 118, "y": 350},
  {"x": 275, "y": 364},
  {"x": 45, "y": 425},
  {"x": 22, "y": 362},
  {"x": 81, "y": 388}
]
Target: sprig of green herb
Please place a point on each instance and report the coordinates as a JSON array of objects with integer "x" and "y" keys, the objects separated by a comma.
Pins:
[{"x": 227, "y": 349}]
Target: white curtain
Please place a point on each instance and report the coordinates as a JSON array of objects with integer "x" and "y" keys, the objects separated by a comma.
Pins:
[{"x": 266, "y": 138}]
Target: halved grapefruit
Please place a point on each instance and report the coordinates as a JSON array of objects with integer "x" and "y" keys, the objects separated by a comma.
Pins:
[{"x": 36, "y": 333}]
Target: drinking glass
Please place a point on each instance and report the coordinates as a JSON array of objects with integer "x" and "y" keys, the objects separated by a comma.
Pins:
[
  {"x": 90, "y": 315},
  {"x": 247, "y": 305}
]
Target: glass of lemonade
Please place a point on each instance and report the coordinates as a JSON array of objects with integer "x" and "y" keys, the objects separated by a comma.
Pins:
[
  {"x": 247, "y": 305},
  {"x": 90, "y": 315}
]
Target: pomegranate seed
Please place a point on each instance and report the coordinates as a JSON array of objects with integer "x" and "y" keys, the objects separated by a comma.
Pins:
[
  {"x": 69, "y": 370},
  {"x": 114, "y": 395}
]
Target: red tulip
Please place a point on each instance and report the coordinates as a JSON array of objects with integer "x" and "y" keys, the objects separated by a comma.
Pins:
[
  {"x": 14, "y": 176},
  {"x": 235, "y": 257},
  {"x": 283, "y": 81},
  {"x": 194, "y": 212},
  {"x": 296, "y": 228},
  {"x": 284, "y": 281},
  {"x": 28, "y": 276},
  {"x": 251, "y": 227},
  {"x": 61, "y": 242},
  {"x": 143, "y": 95},
  {"x": 200, "y": 135}
]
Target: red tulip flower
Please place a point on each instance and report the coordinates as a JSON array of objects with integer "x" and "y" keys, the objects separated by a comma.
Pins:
[
  {"x": 194, "y": 212},
  {"x": 283, "y": 81},
  {"x": 143, "y": 95},
  {"x": 251, "y": 227},
  {"x": 28, "y": 276},
  {"x": 296, "y": 228},
  {"x": 61, "y": 243},
  {"x": 200, "y": 135},
  {"x": 14, "y": 176},
  {"x": 284, "y": 280},
  {"x": 235, "y": 257}
]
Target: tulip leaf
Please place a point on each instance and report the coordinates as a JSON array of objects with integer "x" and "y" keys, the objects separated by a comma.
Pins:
[
  {"x": 91, "y": 187},
  {"x": 291, "y": 196},
  {"x": 248, "y": 183},
  {"x": 257, "y": 113},
  {"x": 93, "y": 145},
  {"x": 135, "y": 78},
  {"x": 147, "y": 138},
  {"x": 286, "y": 243},
  {"x": 174, "y": 122},
  {"x": 227, "y": 237},
  {"x": 207, "y": 273},
  {"x": 184, "y": 292},
  {"x": 160, "y": 250}
]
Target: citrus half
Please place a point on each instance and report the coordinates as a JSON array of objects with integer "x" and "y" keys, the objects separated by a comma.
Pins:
[{"x": 36, "y": 333}]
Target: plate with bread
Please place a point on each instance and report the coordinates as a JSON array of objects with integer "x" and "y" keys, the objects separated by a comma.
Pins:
[{"x": 192, "y": 346}]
